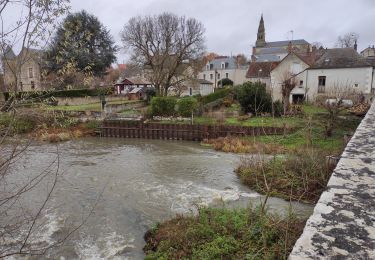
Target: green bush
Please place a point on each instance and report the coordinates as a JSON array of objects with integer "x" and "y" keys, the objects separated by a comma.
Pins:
[
  {"x": 253, "y": 98},
  {"x": 218, "y": 94},
  {"x": 163, "y": 106},
  {"x": 250, "y": 233},
  {"x": 186, "y": 106}
]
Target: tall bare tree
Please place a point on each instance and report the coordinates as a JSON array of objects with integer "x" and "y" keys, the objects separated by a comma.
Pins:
[
  {"x": 30, "y": 28},
  {"x": 162, "y": 43},
  {"x": 288, "y": 84},
  {"x": 348, "y": 40}
]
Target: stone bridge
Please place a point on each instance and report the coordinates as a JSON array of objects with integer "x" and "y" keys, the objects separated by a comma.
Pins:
[{"x": 343, "y": 222}]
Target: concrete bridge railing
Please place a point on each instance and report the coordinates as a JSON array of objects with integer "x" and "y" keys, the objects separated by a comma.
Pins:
[{"x": 343, "y": 222}]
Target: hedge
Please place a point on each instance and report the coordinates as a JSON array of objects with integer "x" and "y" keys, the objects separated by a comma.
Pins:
[
  {"x": 186, "y": 106},
  {"x": 62, "y": 93},
  {"x": 163, "y": 106},
  {"x": 219, "y": 93}
]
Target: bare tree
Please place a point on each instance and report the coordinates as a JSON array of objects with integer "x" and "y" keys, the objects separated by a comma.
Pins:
[
  {"x": 30, "y": 28},
  {"x": 162, "y": 44},
  {"x": 288, "y": 84},
  {"x": 348, "y": 40},
  {"x": 336, "y": 100}
]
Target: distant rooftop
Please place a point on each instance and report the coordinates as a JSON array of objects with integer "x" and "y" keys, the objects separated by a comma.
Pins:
[
  {"x": 340, "y": 58},
  {"x": 285, "y": 43}
]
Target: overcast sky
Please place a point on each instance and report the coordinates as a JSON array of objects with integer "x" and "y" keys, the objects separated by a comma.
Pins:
[{"x": 231, "y": 25}]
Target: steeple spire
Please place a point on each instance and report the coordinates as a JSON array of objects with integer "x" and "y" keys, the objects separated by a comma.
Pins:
[{"x": 261, "y": 36}]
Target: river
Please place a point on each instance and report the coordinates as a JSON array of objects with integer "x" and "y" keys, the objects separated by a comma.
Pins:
[{"x": 132, "y": 184}]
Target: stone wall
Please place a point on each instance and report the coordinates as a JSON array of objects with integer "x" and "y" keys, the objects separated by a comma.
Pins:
[{"x": 343, "y": 223}]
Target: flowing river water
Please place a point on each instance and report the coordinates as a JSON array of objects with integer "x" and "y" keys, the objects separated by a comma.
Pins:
[{"x": 133, "y": 184}]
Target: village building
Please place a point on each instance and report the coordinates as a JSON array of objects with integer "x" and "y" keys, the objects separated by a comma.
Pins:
[
  {"x": 264, "y": 51},
  {"x": 369, "y": 52},
  {"x": 326, "y": 73},
  {"x": 261, "y": 72},
  {"x": 223, "y": 67},
  {"x": 22, "y": 72},
  {"x": 197, "y": 87},
  {"x": 132, "y": 87}
]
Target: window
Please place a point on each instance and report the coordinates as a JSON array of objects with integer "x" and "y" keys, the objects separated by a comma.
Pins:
[
  {"x": 31, "y": 75},
  {"x": 211, "y": 66},
  {"x": 32, "y": 85},
  {"x": 190, "y": 91},
  {"x": 208, "y": 67},
  {"x": 204, "y": 76},
  {"x": 218, "y": 76},
  {"x": 227, "y": 75},
  {"x": 356, "y": 85},
  {"x": 322, "y": 84},
  {"x": 226, "y": 65},
  {"x": 301, "y": 83},
  {"x": 211, "y": 76},
  {"x": 223, "y": 65},
  {"x": 296, "y": 68}
]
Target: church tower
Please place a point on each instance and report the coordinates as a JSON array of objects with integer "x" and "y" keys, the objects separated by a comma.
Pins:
[{"x": 261, "y": 36}]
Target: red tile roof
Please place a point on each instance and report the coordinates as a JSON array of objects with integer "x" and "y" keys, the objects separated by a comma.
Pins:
[{"x": 261, "y": 69}]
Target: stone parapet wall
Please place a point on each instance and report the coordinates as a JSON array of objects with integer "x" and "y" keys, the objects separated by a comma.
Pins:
[{"x": 343, "y": 222}]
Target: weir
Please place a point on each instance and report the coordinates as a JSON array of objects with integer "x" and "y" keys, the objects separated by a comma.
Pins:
[{"x": 342, "y": 225}]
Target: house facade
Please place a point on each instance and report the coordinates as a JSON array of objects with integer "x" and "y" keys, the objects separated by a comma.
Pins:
[
  {"x": 341, "y": 69},
  {"x": 334, "y": 71},
  {"x": 223, "y": 67},
  {"x": 369, "y": 52},
  {"x": 29, "y": 76},
  {"x": 197, "y": 87},
  {"x": 292, "y": 67}
]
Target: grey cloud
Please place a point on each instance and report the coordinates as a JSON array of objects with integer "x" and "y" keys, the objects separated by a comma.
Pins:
[{"x": 231, "y": 26}]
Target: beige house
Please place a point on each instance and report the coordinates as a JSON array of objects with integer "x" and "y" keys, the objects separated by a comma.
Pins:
[{"x": 22, "y": 72}]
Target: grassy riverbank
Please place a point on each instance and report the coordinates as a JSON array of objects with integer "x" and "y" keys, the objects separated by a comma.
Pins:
[
  {"x": 302, "y": 176},
  {"x": 224, "y": 234},
  {"x": 42, "y": 126}
]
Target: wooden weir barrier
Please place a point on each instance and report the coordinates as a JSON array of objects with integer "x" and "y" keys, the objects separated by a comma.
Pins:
[{"x": 139, "y": 129}]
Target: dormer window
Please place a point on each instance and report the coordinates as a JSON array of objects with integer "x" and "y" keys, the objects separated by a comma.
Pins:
[{"x": 222, "y": 65}]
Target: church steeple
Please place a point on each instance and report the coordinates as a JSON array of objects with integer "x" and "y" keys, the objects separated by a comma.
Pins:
[{"x": 261, "y": 36}]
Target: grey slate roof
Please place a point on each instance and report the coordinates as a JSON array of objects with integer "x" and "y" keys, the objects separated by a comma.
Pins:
[
  {"x": 285, "y": 43},
  {"x": 267, "y": 57},
  {"x": 272, "y": 50},
  {"x": 217, "y": 63},
  {"x": 340, "y": 58}
]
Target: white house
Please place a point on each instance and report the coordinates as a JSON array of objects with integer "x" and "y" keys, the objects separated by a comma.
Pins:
[
  {"x": 338, "y": 70},
  {"x": 198, "y": 87},
  {"x": 294, "y": 67},
  {"x": 223, "y": 67},
  {"x": 323, "y": 74}
]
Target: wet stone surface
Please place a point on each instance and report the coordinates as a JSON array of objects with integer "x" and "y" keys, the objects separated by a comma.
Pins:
[{"x": 343, "y": 223}]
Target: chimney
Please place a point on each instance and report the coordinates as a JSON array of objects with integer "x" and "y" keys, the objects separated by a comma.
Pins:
[
  {"x": 355, "y": 45},
  {"x": 290, "y": 47}
]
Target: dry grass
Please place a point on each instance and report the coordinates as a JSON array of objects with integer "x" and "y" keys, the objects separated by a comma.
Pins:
[{"x": 239, "y": 145}]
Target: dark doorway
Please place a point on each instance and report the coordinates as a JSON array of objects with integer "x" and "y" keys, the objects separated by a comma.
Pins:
[{"x": 298, "y": 98}]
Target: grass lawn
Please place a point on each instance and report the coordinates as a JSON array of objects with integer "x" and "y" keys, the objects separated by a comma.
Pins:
[{"x": 88, "y": 107}]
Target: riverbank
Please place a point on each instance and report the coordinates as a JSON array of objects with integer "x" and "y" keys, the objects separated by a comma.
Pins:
[
  {"x": 224, "y": 234},
  {"x": 43, "y": 126}
]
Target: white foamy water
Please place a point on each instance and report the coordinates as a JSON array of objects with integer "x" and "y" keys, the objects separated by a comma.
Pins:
[{"x": 141, "y": 182}]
